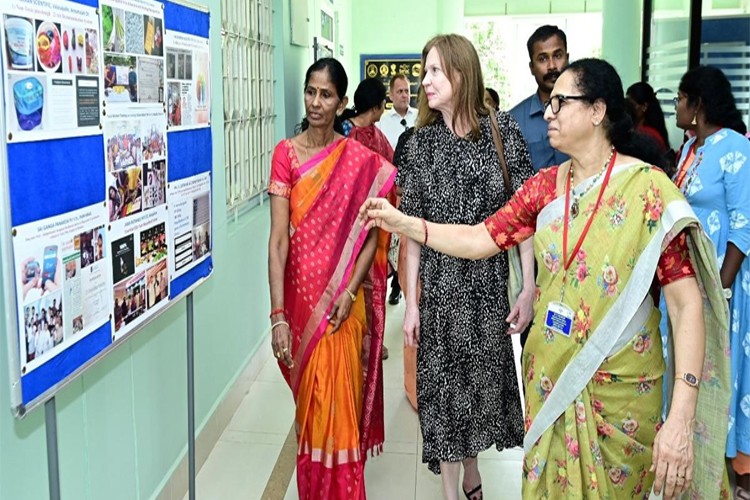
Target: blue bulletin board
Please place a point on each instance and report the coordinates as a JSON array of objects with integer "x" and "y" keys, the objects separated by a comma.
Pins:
[{"x": 49, "y": 178}]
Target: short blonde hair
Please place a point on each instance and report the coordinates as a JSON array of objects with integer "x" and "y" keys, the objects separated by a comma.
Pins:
[{"x": 462, "y": 68}]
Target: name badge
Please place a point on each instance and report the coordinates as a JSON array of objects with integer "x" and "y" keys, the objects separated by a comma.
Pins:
[{"x": 559, "y": 318}]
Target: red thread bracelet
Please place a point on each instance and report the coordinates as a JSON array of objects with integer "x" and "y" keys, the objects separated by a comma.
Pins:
[
  {"x": 424, "y": 226},
  {"x": 274, "y": 312}
]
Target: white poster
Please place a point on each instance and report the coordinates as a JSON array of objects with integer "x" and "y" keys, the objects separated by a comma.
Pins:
[
  {"x": 190, "y": 220},
  {"x": 188, "y": 80},
  {"x": 52, "y": 62},
  {"x": 133, "y": 44},
  {"x": 63, "y": 282},
  {"x": 135, "y": 152},
  {"x": 139, "y": 268}
]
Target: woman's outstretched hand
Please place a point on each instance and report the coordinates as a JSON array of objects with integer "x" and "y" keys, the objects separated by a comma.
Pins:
[{"x": 378, "y": 212}]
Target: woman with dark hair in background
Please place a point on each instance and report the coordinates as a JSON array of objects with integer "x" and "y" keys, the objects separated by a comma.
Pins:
[
  {"x": 327, "y": 285},
  {"x": 359, "y": 122},
  {"x": 593, "y": 364},
  {"x": 467, "y": 390},
  {"x": 648, "y": 116},
  {"x": 491, "y": 99},
  {"x": 714, "y": 175}
]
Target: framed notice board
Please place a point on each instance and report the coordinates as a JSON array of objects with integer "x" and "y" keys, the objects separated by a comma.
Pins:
[{"x": 106, "y": 178}]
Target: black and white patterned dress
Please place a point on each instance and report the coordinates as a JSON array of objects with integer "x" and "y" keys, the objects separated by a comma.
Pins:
[{"x": 467, "y": 390}]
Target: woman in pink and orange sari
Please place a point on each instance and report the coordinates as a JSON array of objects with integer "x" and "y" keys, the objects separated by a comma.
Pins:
[{"x": 327, "y": 278}]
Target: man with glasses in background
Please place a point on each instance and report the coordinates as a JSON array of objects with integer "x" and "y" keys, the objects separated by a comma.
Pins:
[
  {"x": 393, "y": 123},
  {"x": 548, "y": 55}
]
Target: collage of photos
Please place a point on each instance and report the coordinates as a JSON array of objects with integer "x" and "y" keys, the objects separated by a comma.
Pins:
[
  {"x": 140, "y": 273},
  {"x": 133, "y": 44},
  {"x": 135, "y": 151},
  {"x": 187, "y": 81},
  {"x": 52, "y": 69},
  {"x": 55, "y": 282}
]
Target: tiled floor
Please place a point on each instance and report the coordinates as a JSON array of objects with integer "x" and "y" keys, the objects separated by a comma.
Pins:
[{"x": 242, "y": 461}]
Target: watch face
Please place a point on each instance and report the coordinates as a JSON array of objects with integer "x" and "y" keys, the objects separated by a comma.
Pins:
[{"x": 691, "y": 379}]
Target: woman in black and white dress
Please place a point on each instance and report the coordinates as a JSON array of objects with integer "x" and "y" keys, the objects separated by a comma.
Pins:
[{"x": 467, "y": 391}]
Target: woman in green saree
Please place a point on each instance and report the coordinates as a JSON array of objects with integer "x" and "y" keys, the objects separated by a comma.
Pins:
[{"x": 606, "y": 227}]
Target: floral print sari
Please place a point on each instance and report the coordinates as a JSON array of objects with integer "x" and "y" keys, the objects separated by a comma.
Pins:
[{"x": 594, "y": 398}]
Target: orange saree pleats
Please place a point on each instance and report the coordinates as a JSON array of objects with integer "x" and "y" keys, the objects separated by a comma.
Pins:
[{"x": 329, "y": 408}]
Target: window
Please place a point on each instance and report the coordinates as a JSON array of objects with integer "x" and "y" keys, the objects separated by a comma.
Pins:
[{"x": 247, "y": 74}]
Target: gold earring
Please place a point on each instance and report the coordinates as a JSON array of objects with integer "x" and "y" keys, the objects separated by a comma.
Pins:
[{"x": 694, "y": 122}]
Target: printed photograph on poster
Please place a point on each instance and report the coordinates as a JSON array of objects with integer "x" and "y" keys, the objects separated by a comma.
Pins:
[
  {"x": 135, "y": 151},
  {"x": 130, "y": 300},
  {"x": 63, "y": 282},
  {"x": 155, "y": 184},
  {"x": 52, "y": 74},
  {"x": 188, "y": 77},
  {"x": 154, "y": 132},
  {"x": 139, "y": 261},
  {"x": 133, "y": 43},
  {"x": 190, "y": 217}
]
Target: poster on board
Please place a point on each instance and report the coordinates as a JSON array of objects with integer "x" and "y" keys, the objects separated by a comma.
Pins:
[
  {"x": 135, "y": 143},
  {"x": 63, "y": 282},
  {"x": 133, "y": 47},
  {"x": 52, "y": 69},
  {"x": 190, "y": 220},
  {"x": 188, "y": 81}
]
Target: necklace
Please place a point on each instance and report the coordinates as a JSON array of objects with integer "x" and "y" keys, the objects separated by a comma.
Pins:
[
  {"x": 306, "y": 145},
  {"x": 687, "y": 173},
  {"x": 574, "y": 209}
]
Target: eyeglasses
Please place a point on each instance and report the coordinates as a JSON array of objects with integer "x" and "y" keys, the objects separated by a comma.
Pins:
[
  {"x": 676, "y": 100},
  {"x": 403, "y": 122},
  {"x": 556, "y": 101}
]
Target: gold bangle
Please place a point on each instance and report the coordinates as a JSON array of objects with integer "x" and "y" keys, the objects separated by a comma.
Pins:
[{"x": 351, "y": 295}]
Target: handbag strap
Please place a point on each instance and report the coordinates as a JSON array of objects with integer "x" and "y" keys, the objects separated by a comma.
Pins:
[{"x": 497, "y": 138}]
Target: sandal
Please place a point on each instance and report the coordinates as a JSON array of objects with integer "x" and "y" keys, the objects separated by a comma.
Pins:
[
  {"x": 478, "y": 490},
  {"x": 741, "y": 493}
]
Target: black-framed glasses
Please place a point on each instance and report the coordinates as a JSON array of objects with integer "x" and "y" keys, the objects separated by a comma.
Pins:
[
  {"x": 403, "y": 122},
  {"x": 676, "y": 100},
  {"x": 556, "y": 101}
]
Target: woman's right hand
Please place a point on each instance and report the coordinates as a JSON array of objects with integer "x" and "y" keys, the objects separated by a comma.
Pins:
[
  {"x": 411, "y": 326},
  {"x": 379, "y": 212},
  {"x": 281, "y": 343}
]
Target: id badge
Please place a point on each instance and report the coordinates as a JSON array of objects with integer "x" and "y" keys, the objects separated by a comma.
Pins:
[{"x": 559, "y": 318}]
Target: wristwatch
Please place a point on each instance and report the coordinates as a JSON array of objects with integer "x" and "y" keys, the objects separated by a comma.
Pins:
[
  {"x": 689, "y": 379},
  {"x": 728, "y": 293}
]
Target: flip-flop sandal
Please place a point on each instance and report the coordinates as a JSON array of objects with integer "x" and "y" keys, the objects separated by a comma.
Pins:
[
  {"x": 741, "y": 493},
  {"x": 478, "y": 490}
]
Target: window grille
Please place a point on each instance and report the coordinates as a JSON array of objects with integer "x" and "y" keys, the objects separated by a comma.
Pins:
[{"x": 247, "y": 77}]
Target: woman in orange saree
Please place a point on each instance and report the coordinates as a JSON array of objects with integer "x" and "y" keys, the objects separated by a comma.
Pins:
[{"x": 327, "y": 280}]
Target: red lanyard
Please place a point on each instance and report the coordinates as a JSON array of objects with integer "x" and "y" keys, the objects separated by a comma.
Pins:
[{"x": 568, "y": 261}]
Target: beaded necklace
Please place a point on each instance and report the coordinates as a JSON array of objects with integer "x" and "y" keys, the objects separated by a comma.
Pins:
[{"x": 574, "y": 209}]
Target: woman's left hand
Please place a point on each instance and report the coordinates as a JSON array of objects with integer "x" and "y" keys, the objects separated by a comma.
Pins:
[
  {"x": 673, "y": 456},
  {"x": 522, "y": 312},
  {"x": 340, "y": 311}
]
